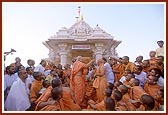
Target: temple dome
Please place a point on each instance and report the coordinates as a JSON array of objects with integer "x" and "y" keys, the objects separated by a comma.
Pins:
[{"x": 80, "y": 28}]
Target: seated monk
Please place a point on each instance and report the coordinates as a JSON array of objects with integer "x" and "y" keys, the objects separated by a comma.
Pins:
[
  {"x": 124, "y": 90},
  {"x": 119, "y": 104},
  {"x": 102, "y": 106},
  {"x": 128, "y": 78},
  {"x": 47, "y": 94},
  {"x": 136, "y": 91},
  {"x": 67, "y": 99},
  {"x": 44, "y": 97},
  {"x": 148, "y": 102},
  {"x": 110, "y": 104},
  {"x": 35, "y": 88},
  {"x": 55, "y": 103}
]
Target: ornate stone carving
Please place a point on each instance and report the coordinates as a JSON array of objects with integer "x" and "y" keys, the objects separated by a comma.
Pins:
[
  {"x": 80, "y": 32},
  {"x": 62, "y": 46},
  {"x": 113, "y": 52},
  {"x": 80, "y": 28},
  {"x": 99, "y": 50}
]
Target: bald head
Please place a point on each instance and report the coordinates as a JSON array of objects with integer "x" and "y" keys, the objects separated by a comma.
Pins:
[
  {"x": 123, "y": 89},
  {"x": 110, "y": 104},
  {"x": 134, "y": 82},
  {"x": 148, "y": 101},
  {"x": 108, "y": 92},
  {"x": 79, "y": 58},
  {"x": 55, "y": 82},
  {"x": 17, "y": 60},
  {"x": 56, "y": 93},
  {"x": 117, "y": 95}
]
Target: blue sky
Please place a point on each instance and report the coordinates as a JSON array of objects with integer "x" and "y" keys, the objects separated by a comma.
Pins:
[{"x": 27, "y": 25}]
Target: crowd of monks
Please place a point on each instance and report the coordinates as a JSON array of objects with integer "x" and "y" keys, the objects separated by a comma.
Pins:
[{"x": 106, "y": 84}]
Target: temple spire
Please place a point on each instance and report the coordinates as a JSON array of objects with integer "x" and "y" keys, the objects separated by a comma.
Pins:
[{"x": 79, "y": 12}]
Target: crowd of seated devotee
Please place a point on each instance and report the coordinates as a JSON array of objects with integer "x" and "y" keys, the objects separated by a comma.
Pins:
[{"x": 105, "y": 84}]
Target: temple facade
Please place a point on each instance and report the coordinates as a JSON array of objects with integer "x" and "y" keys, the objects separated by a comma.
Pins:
[{"x": 80, "y": 40}]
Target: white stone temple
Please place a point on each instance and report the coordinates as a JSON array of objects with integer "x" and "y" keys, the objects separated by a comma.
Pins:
[{"x": 80, "y": 39}]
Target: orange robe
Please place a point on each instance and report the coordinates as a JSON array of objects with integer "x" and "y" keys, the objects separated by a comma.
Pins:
[
  {"x": 118, "y": 71},
  {"x": 136, "y": 92},
  {"x": 77, "y": 83},
  {"x": 89, "y": 88},
  {"x": 125, "y": 98},
  {"x": 151, "y": 89},
  {"x": 100, "y": 84},
  {"x": 129, "y": 66},
  {"x": 34, "y": 91},
  {"x": 152, "y": 61},
  {"x": 101, "y": 106},
  {"x": 66, "y": 75},
  {"x": 44, "y": 97},
  {"x": 161, "y": 67},
  {"x": 146, "y": 70},
  {"x": 57, "y": 106},
  {"x": 119, "y": 107},
  {"x": 68, "y": 102}
]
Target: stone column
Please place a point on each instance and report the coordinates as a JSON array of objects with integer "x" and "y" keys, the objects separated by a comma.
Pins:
[
  {"x": 63, "y": 53},
  {"x": 51, "y": 54},
  {"x": 99, "y": 50},
  {"x": 63, "y": 56}
]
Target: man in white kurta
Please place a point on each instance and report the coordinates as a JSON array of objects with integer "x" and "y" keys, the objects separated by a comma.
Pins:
[
  {"x": 160, "y": 50},
  {"x": 9, "y": 78},
  {"x": 41, "y": 67},
  {"x": 109, "y": 72},
  {"x": 17, "y": 99}
]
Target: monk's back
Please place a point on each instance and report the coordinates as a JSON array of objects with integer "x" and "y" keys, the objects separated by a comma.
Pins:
[{"x": 68, "y": 101}]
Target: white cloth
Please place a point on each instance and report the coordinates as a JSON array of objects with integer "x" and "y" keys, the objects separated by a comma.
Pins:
[
  {"x": 160, "y": 81},
  {"x": 31, "y": 78},
  {"x": 88, "y": 76},
  {"x": 47, "y": 72},
  {"x": 30, "y": 66},
  {"x": 109, "y": 73},
  {"x": 39, "y": 68},
  {"x": 123, "y": 78},
  {"x": 9, "y": 79},
  {"x": 29, "y": 81},
  {"x": 43, "y": 89},
  {"x": 141, "y": 77},
  {"x": 17, "y": 99},
  {"x": 160, "y": 51}
]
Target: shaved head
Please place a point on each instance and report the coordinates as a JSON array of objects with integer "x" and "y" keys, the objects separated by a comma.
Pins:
[{"x": 79, "y": 58}]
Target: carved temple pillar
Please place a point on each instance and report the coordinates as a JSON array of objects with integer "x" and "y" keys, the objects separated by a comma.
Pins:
[
  {"x": 63, "y": 53},
  {"x": 63, "y": 56},
  {"x": 99, "y": 50}
]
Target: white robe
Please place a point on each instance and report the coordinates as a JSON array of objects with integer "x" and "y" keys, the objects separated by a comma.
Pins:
[
  {"x": 141, "y": 77},
  {"x": 8, "y": 80},
  {"x": 17, "y": 99},
  {"x": 39, "y": 68},
  {"x": 109, "y": 73},
  {"x": 160, "y": 81}
]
